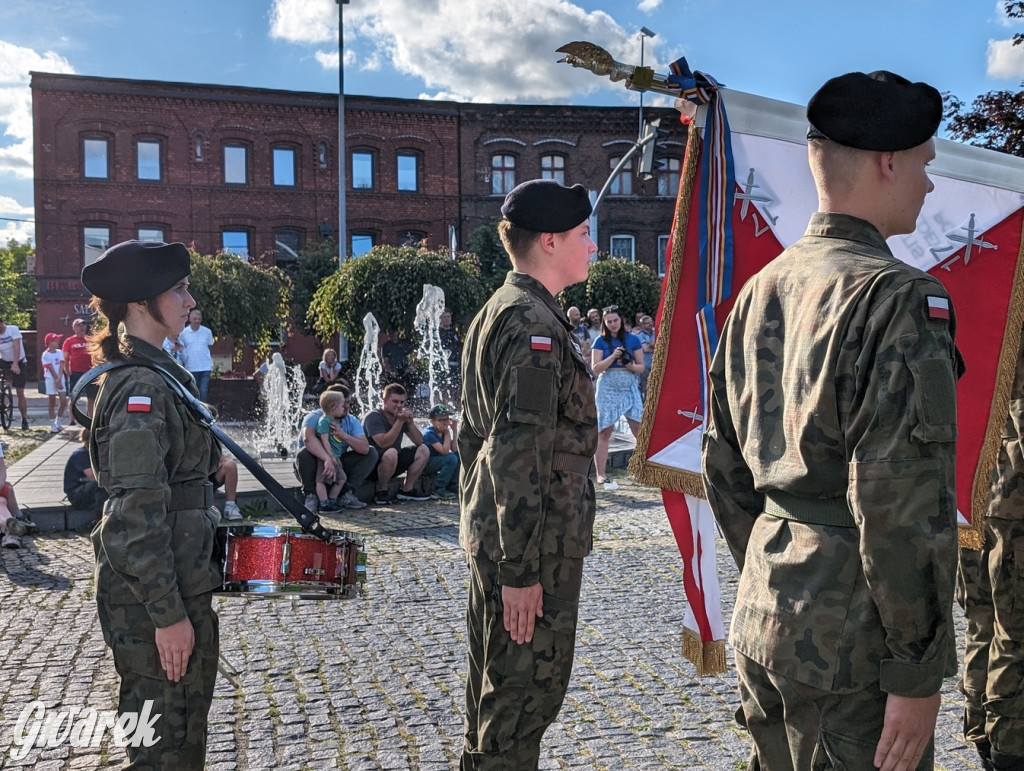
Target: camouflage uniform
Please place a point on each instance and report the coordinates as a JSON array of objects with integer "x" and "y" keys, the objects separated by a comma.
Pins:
[
  {"x": 153, "y": 551},
  {"x": 529, "y": 433},
  {"x": 991, "y": 592},
  {"x": 834, "y": 404}
]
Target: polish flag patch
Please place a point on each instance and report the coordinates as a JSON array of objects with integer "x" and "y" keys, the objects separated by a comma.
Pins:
[
  {"x": 540, "y": 343},
  {"x": 938, "y": 307},
  {"x": 140, "y": 404}
]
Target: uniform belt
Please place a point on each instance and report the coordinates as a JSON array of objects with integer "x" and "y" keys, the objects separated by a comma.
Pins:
[
  {"x": 577, "y": 464},
  {"x": 832, "y": 512},
  {"x": 191, "y": 497}
]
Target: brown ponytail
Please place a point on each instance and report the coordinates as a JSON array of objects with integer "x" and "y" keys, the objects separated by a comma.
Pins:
[{"x": 106, "y": 344}]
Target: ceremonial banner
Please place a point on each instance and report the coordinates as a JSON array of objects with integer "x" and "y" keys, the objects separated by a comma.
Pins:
[{"x": 969, "y": 236}]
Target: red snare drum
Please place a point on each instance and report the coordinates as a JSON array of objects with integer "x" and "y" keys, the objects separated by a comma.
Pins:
[{"x": 287, "y": 562}]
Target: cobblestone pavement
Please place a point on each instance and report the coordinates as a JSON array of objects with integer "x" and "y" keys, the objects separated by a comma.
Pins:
[{"x": 375, "y": 682}]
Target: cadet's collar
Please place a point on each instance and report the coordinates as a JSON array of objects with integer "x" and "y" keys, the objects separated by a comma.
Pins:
[
  {"x": 833, "y": 225},
  {"x": 528, "y": 282}
]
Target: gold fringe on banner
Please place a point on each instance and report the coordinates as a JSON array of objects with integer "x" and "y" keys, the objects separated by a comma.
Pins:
[
  {"x": 972, "y": 536},
  {"x": 643, "y": 470},
  {"x": 707, "y": 657}
]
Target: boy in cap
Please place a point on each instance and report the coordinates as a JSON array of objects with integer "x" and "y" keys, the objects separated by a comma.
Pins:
[
  {"x": 529, "y": 433},
  {"x": 54, "y": 369},
  {"x": 829, "y": 457},
  {"x": 442, "y": 437}
]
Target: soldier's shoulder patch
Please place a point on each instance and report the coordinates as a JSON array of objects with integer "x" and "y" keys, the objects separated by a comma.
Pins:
[
  {"x": 140, "y": 404},
  {"x": 938, "y": 307},
  {"x": 540, "y": 343}
]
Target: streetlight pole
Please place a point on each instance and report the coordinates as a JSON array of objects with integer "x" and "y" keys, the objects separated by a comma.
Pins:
[
  {"x": 342, "y": 224},
  {"x": 644, "y": 33}
]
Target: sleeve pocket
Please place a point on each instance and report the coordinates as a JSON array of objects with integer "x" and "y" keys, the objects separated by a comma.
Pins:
[
  {"x": 935, "y": 401},
  {"x": 533, "y": 396}
]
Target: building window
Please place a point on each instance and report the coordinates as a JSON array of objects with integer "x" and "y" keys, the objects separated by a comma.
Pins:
[
  {"x": 623, "y": 247},
  {"x": 94, "y": 159},
  {"x": 623, "y": 182},
  {"x": 95, "y": 241},
  {"x": 553, "y": 167},
  {"x": 411, "y": 238},
  {"x": 361, "y": 243},
  {"x": 236, "y": 165},
  {"x": 284, "y": 167},
  {"x": 151, "y": 234},
  {"x": 321, "y": 155},
  {"x": 408, "y": 172},
  {"x": 503, "y": 174},
  {"x": 147, "y": 152},
  {"x": 668, "y": 177},
  {"x": 362, "y": 171},
  {"x": 662, "y": 261},
  {"x": 198, "y": 148},
  {"x": 235, "y": 242},
  {"x": 287, "y": 244}
]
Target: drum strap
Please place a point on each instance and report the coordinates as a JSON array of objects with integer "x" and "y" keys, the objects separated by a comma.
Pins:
[{"x": 309, "y": 521}]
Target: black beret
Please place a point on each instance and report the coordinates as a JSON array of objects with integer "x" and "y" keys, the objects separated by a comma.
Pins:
[
  {"x": 545, "y": 206},
  {"x": 133, "y": 271},
  {"x": 878, "y": 111}
]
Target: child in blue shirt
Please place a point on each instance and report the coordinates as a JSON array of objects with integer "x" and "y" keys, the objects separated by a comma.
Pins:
[
  {"x": 442, "y": 438},
  {"x": 333, "y": 405}
]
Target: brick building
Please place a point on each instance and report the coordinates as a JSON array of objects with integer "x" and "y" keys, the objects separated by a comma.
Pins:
[{"x": 254, "y": 172}]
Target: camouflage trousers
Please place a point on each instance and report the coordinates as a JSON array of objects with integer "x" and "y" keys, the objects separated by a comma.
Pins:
[
  {"x": 514, "y": 692},
  {"x": 182, "y": 706},
  {"x": 990, "y": 589},
  {"x": 795, "y": 727}
]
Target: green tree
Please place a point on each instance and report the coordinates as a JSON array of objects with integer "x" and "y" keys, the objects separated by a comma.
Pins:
[
  {"x": 240, "y": 300},
  {"x": 17, "y": 287},
  {"x": 490, "y": 254},
  {"x": 994, "y": 120},
  {"x": 388, "y": 282},
  {"x": 631, "y": 286},
  {"x": 313, "y": 266}
]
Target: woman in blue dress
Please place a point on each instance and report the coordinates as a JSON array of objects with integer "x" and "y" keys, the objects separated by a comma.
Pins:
[{"x": 617, "y": 359}]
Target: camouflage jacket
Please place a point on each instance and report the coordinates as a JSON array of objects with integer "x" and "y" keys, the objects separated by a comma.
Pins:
[
  {"x": 528, "y": 415},
  {"x": 835, "y": 379},
  {"x": 145, "y": 442},
  {"x": 1006, "y": 500}
]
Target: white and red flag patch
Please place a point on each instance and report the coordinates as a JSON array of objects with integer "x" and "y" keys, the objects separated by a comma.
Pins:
[
  {"x": 938, "y": 307},
  {"x": 540, "y": 343},
  {"x": 140, "y": 404}
]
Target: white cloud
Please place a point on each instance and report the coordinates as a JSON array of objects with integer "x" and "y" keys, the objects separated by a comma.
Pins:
[
  {"x": 22, "y": 232},
  {"x": 469, "y": 50},
  {"x": 648, "y": 5},
  {"x": 11, "y": 208},
  {"x": 1004, "y": 60},
  {"x": 16, "y": 104}
]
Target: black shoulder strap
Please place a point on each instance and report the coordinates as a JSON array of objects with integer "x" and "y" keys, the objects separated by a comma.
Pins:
[{"x": 309, "y": 521}]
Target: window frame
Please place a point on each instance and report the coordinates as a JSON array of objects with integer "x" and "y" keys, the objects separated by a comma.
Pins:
[
  {"x": 555, "y": 171},
  {"x": 415, "y": 157},
  {"x": 622, "y": 183},
  {"x": 106, "y": 157},
  {"x": 245, "y": 164},
  {"x": 294, "y": 169},
  {"x": 159, "y": 159},
  {"x": 371, "y": 155},
  {"x": 361, "y": 234},
  {"x": 97, "y": 249},
  {"x": 662, "y": 246},
  {"x": 225, "y": 249},
  {"x": 628, "y": 237},
  {"x": 505, "y": 172},
  {"x": 155, "y": 229},
  {"x": 668, "y": 176}
]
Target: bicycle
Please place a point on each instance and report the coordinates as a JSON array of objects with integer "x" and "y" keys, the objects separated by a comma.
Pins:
[{"x": 6, "y": 401}]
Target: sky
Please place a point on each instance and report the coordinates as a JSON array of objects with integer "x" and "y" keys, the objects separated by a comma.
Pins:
[{"x": 485, "y": 51}]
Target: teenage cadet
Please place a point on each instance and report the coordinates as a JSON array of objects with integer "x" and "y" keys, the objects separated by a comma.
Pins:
[
  {"x": 829, "y": 457},
  {"x": 990, "y": 591},
  {"x": 154, "y": 574},
  {"x": 527, "y": 500}
]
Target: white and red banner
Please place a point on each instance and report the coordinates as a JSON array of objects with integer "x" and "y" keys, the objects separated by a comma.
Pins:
[{"x": 968, "y": 236}]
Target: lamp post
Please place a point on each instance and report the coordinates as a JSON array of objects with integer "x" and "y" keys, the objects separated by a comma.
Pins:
[
  {"x": 342, "y": 224},
  {"x": 644, "y": 33}
]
